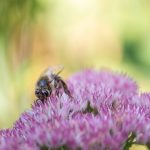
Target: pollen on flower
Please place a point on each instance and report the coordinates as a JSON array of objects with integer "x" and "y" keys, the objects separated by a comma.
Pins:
[{"x": 106, "y": 112}]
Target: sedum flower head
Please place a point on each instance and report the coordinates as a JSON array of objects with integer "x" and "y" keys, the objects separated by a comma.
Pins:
[{"x": 106, "y": 112}]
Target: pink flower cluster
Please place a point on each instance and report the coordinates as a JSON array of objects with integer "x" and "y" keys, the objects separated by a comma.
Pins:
[{"x": 106, "y": 112}]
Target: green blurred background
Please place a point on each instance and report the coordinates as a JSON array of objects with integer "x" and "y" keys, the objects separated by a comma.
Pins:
[{"x": 78, "y": 34}]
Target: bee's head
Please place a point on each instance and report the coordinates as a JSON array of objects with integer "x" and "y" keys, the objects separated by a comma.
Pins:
[
  {"x": 42, "y": 93},
  {"x": 42, "y": 90}
]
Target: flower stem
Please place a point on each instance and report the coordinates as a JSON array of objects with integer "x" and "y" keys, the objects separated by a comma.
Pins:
[{"x": 129, "y": 141}]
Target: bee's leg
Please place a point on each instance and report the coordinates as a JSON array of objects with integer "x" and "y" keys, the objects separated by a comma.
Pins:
[
  {"x": 42, "y": 100},
  {"x": 65, "y": 88},
  {"x": 58, "y": 93},
  {"x": 37, "y": 102},
  {"x": 57, "y": 86}
]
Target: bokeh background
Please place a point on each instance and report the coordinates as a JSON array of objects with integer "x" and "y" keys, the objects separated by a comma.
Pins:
[{"x": 78, "y": 34}]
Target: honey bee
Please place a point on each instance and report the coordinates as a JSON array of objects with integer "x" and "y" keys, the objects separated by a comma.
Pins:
[{"x": 50, "y": 82}]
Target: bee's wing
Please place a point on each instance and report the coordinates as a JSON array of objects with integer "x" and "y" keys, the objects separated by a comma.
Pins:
[
  {"x": 57, "y": 69},
  {"x": 53, "y": 70}
]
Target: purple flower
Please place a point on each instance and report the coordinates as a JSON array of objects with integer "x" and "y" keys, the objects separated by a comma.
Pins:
[{"x": 106, "y": 112}]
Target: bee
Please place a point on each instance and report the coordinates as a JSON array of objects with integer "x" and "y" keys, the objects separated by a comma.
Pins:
[{"x": 50, "y": 82}]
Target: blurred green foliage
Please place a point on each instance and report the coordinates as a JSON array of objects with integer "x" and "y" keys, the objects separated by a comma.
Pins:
[
  {"x": 14, "y": 13},
  {"x": 133, "y": 55},
  {"x": 16, "y": 20}
]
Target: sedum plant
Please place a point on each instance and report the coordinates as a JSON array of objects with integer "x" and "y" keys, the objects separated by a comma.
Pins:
[{"x": 107, "y": 112}]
